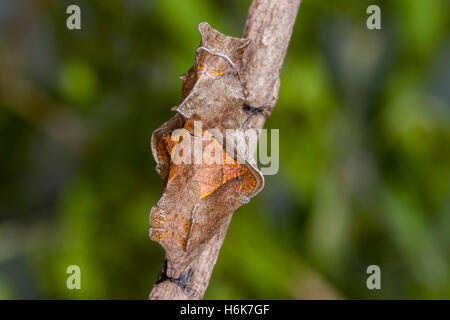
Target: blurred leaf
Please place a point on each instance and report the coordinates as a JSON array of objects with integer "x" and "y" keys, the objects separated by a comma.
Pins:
[{"x": 78, "y": 83}]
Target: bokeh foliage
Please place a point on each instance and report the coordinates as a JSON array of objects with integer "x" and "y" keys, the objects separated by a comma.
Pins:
[{"x": 364, "y": 173}]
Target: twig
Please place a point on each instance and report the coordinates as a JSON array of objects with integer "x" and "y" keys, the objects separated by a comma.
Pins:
[{"x": 269, "y": 25}]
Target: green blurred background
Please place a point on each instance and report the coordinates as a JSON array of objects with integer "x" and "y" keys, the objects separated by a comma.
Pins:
[{"x": 364, "y": 119}]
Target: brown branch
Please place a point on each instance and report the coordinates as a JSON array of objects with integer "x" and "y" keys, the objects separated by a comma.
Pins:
[{"x": 269, "y": 25}]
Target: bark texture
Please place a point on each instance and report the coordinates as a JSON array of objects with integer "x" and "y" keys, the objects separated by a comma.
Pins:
[{"x": 269, "y": 26}]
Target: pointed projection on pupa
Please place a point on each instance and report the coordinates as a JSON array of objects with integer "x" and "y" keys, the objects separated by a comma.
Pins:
[{"x": 212, "y": 90}]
